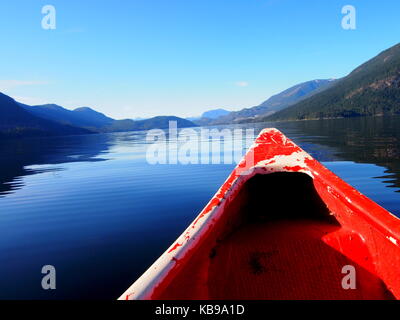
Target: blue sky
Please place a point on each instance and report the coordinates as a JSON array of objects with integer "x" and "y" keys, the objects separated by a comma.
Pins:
[{"x": 142, "y": 58}]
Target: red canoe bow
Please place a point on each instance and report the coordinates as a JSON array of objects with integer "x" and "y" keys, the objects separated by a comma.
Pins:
[{"x": 281, "y": 227}]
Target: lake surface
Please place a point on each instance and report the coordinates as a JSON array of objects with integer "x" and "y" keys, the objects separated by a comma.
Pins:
[{"x": 94, "y": 207}]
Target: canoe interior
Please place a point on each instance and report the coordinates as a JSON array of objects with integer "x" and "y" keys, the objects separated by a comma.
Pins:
[{"x": 277, "y": 240}]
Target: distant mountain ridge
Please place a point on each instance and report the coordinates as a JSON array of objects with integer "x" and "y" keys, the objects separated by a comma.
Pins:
[
  {"x": 20, "y": 120},
  {"x": 214, "y": 114},
  {"x": 81, "y": 117},
  {"x": 95, "y": 121},
  {"x": 92, "y": 116},
  {"x": 15, "y": 121},
  {"x": 371, "y": 89},
  {"x": 295, "y": 94},
  {"x": 274, "y": 104},
  {"x": 160, "y": 122}
]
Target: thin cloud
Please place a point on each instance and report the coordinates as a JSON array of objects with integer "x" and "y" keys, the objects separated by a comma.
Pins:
[
  {"x": 11, "y": 84},
  {"x": 242, "y": 84}
]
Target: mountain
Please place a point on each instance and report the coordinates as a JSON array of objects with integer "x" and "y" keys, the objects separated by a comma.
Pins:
[
  {"x": 295, "y": 94},
  {"x": 160, "y": 122},
  {"x": 81, "y": 117},
  {"x": 214, "y": 114},
  {"x": 209, "y": 116},
  {"x": 371, "y": 89},
  {"x": 93, "y": 117},
  {"x": 95, "y": 121},
  {"x": 16, "y": 121},
  {"x": 193, "y": 119},
  {"x": 277, "y": 102}
]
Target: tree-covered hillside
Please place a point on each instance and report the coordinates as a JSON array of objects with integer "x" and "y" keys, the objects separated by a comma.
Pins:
[{"x": 371, "y": 89}]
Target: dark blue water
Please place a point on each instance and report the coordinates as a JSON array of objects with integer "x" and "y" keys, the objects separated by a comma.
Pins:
[{"x": 93, "y": 207}]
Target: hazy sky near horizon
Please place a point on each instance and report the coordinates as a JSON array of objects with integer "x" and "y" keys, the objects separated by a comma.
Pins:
[{"x": 142, "y": 58}]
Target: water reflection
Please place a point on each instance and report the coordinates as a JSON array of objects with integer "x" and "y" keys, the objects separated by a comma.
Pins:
[
  {"x": 24, "y": 157},
  {"x": 374, "y": 140}
]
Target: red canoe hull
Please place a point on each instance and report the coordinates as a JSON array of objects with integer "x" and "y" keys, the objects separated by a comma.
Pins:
[{"x": 281, "y": 227}]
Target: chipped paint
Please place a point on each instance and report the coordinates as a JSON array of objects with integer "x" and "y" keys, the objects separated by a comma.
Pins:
[
  {"x": 393, "y": 240},
  {"x": 128, "y": 296},
  {"x": 348, "y": 199},
  {"x": 176, "y": 245}
]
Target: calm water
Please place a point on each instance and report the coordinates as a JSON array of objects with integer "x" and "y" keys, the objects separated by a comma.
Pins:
[{"x": 95, "y": 209}]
